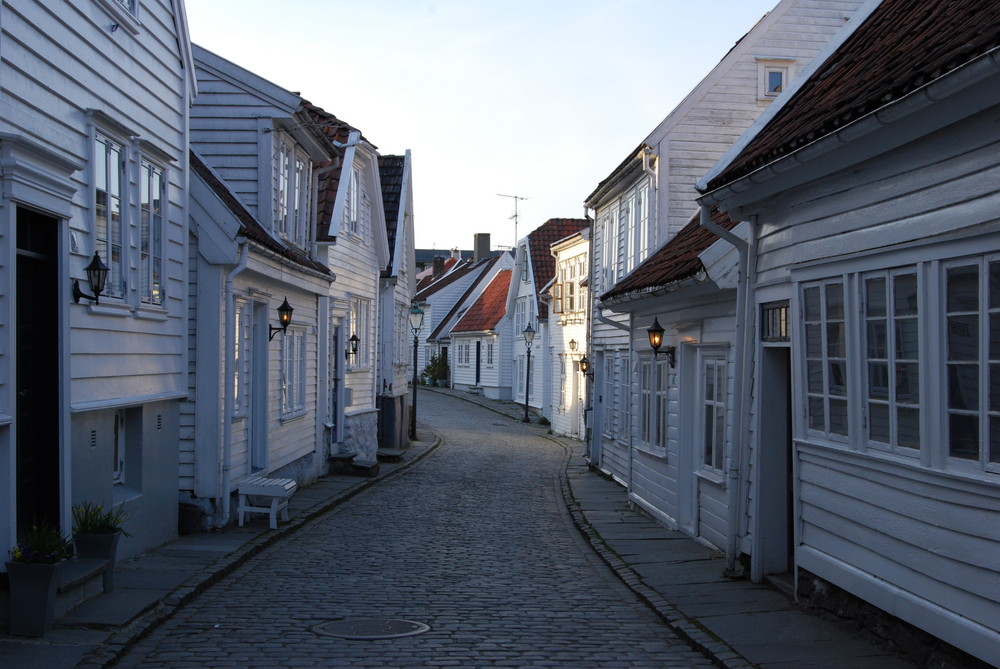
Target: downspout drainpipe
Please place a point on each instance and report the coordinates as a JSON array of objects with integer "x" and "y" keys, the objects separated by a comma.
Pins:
[
  {"x": 743, "y": 360},
  {"x": 228, "y": 390}
]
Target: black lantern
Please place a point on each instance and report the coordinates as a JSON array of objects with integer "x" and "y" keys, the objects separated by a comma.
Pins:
[
  {"x": 354, "y": 344},
  {"x": 655, "y": 332},
  {"x": 97, "y": 278},
  {"x": 284, "y": 319},
  {"x": 529, "y": 336},
  {"x": 585, "y": 366},
  {"x": 416, "y": 322}
]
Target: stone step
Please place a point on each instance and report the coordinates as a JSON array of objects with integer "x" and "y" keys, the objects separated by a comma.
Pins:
[{"x": 390, "y": 454}]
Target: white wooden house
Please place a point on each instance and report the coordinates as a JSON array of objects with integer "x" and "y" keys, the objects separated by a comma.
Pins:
[
  {"x": 441, "y": 301},
  {"x": 395, "y": 338},
  {"x": 568, "y": 301},
  {"x": 650, "y": 196},
  {"x": 258, "y": 391},
  {"x": 534, "y": 270},
  {"x": 872, "y": 197},
  {"x": 94, "y": 97},
  {"x": 480, "y": 338},
  {"x": 352, "y": 231}
]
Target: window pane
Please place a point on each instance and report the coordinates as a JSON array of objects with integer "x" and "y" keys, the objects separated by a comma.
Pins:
[
  {"x": 963, "y": 436},
  {"x": 710, "y": 383},
  {"x": 963, "y": 288},
  {"x": 878, "y": 422},
  {"x": 815, "y": 368},
  {"x": 720, "y": 436},
  {"x": 995, "y": 285},
  {"x": 835, "y": 340},
  {"x": 875, "y": 297},
  {"x": 908, "y": 383},
  {"x": 817, "y": 414},
  {"x": 963, "y": 387},
  {"x": 907, "y": 338},
  {"x": 877, "y": 341},
  {"x": 995, "y": 336},
  {"x": 838, "y": 417},
  {"x": 908, "y": 428},
  {"x": 963, "y": 337},
  {"x": 814, "y": 341},
  {"x": 994, "y": 439},
  {"x": 812, "y": 308},
  {"x": 905, "y": 295},
  {"x": 838, "y": 378},
  {"x": 709, "y": 431},
  {"x": 878, "y": 380},
  {"x": 834, "y": 301},
  {"x": 774, "y": 80},
  {"x": 994, "y": 387}
]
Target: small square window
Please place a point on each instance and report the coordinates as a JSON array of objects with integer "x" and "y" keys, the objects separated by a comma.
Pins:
[{"x": 773, "y": 75}]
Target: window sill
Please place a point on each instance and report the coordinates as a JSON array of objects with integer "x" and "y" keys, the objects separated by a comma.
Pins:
[
  {"x": 152, "y": 313},
  {"x": 652, "y": 451},
  {"x": 120, "y": 310},
  {"x": 711, "y": 476},
  {"x": 121, "y": 15},
  {"x": 287, "y": 418}
]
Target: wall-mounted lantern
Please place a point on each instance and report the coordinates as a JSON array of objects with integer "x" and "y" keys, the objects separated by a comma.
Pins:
[
  {"x": 353, "y": 350},
  {"x": 97, "y": 278},
  {"x": 585, "y": 366},
  {"x": 284, "y": 318},
  {"x": 655, "y": 332},
  {"x": 573, "y": 345}
]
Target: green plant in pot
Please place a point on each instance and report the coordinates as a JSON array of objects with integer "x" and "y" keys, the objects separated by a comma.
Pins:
[
  {"x": 33, "y": 572},
  {"x": 96, "y": 532}
]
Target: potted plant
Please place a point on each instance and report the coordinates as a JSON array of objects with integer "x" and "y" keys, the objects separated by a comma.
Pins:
[
  {"x": 32, "y": 572},
  {"x": 96, "y": 532},
  {"x": 437, "y": 370}
]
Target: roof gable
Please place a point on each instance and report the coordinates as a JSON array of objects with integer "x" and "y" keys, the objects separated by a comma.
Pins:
[
  {"x": 543, "y": 265},
  {"x": 490, "y": 308}
]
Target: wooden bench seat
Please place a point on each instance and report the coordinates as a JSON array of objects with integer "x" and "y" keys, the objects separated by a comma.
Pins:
[{"x": 258, "y": 491}]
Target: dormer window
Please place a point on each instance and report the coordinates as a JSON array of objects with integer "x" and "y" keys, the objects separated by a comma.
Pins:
[{"x": 292, "y": 175}]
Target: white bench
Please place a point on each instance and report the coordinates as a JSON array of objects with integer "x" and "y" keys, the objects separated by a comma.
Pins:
[{"x": 277, "y": 492}]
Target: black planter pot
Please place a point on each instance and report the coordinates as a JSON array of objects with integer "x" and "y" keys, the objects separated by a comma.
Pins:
[
  {"x": 102, "y": 547},
  {"x": 32, "y": 597}
]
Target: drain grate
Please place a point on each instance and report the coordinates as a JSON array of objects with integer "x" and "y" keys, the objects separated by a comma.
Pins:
[{"x": 370, "y": 629}]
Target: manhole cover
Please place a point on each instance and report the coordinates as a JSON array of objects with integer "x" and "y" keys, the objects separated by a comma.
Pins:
[{"x": 370, "y": 628}]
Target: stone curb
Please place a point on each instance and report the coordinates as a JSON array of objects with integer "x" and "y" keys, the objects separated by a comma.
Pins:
[
  {"x": 119, "y": 642},
  {"x": 715, "y": 649}
]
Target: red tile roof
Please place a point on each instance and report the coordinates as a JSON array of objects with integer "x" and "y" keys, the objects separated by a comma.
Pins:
[
  {"x": 902, "y": 46},
  {"x": 543, "y": 265},
  {"x": 249, "y": 226},
  {"x": 491, "y": 306},
  {"x": 483, "y": 268},
  {"x": 674, "y": 261}
]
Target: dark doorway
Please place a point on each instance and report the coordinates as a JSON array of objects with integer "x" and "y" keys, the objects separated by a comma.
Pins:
[
  {"x": 777, "y": 509},
  {"x": 479, "y": 360},
  {"x": 37, "y": 327}
]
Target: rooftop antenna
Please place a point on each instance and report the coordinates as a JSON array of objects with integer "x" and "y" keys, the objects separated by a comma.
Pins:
[{"x": 515, "y": 198}]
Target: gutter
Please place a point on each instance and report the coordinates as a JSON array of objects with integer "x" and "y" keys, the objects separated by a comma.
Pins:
[
  {"x": 743, "y": 361},
  {"x": 227, "y": 388}
]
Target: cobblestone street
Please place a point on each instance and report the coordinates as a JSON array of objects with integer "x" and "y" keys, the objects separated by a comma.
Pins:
[{"x": 473, "y": 542}]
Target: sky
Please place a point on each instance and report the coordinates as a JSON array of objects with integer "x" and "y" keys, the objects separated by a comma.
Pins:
[{"x": 539, "y": 99}]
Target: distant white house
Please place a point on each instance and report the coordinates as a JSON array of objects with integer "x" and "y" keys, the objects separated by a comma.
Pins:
[
  {"x": 258, "y": 388},
  {"x": 534, "y": 270},
  {"x": 398, "y": 282},
  {"x": 93, "y": 162},
  {"x": 568, "y": 301},
  {"x": 481, "y": 337}
]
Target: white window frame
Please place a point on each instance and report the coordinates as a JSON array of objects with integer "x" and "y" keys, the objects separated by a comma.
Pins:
[
  {"x": 821, "y": 368},
  {"x": 352, "y": 201},
  {"x": 713, "y": 403},
  {"x": 768, "y": 66},
  {"x": 152, "y": 218},
  {"x": 242, "y": 357},
  {"x": 114, "y": 252},
  {"x": 893, "y": 366},
  {"x": 293, "y": 372},
  {"x": 654, "y": 404},
  {"x": 360, "y": 324},
  {"x": 291, "y": 211}
]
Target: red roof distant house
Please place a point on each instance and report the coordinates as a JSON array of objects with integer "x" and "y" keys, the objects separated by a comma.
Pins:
[
  {"x": 483, "y": 268},
  {"x": 490, "y": 308},
  {"x": 674, "y": 261},
  {"x": 901, "y": 47},
  {"x": 543, "y": 265}
]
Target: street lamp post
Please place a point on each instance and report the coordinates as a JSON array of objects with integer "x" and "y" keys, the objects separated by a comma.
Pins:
[
  {"x": 529, "y": 336},
  {"x": 416, "y": 321}
]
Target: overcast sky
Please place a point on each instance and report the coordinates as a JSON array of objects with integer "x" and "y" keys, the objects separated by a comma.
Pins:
[{"x": 536, "y": 98}]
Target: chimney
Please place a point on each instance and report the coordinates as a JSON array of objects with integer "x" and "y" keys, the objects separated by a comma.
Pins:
[
  {"x": 438, "y": 266},
  {"x": 480, "y": 246}
]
